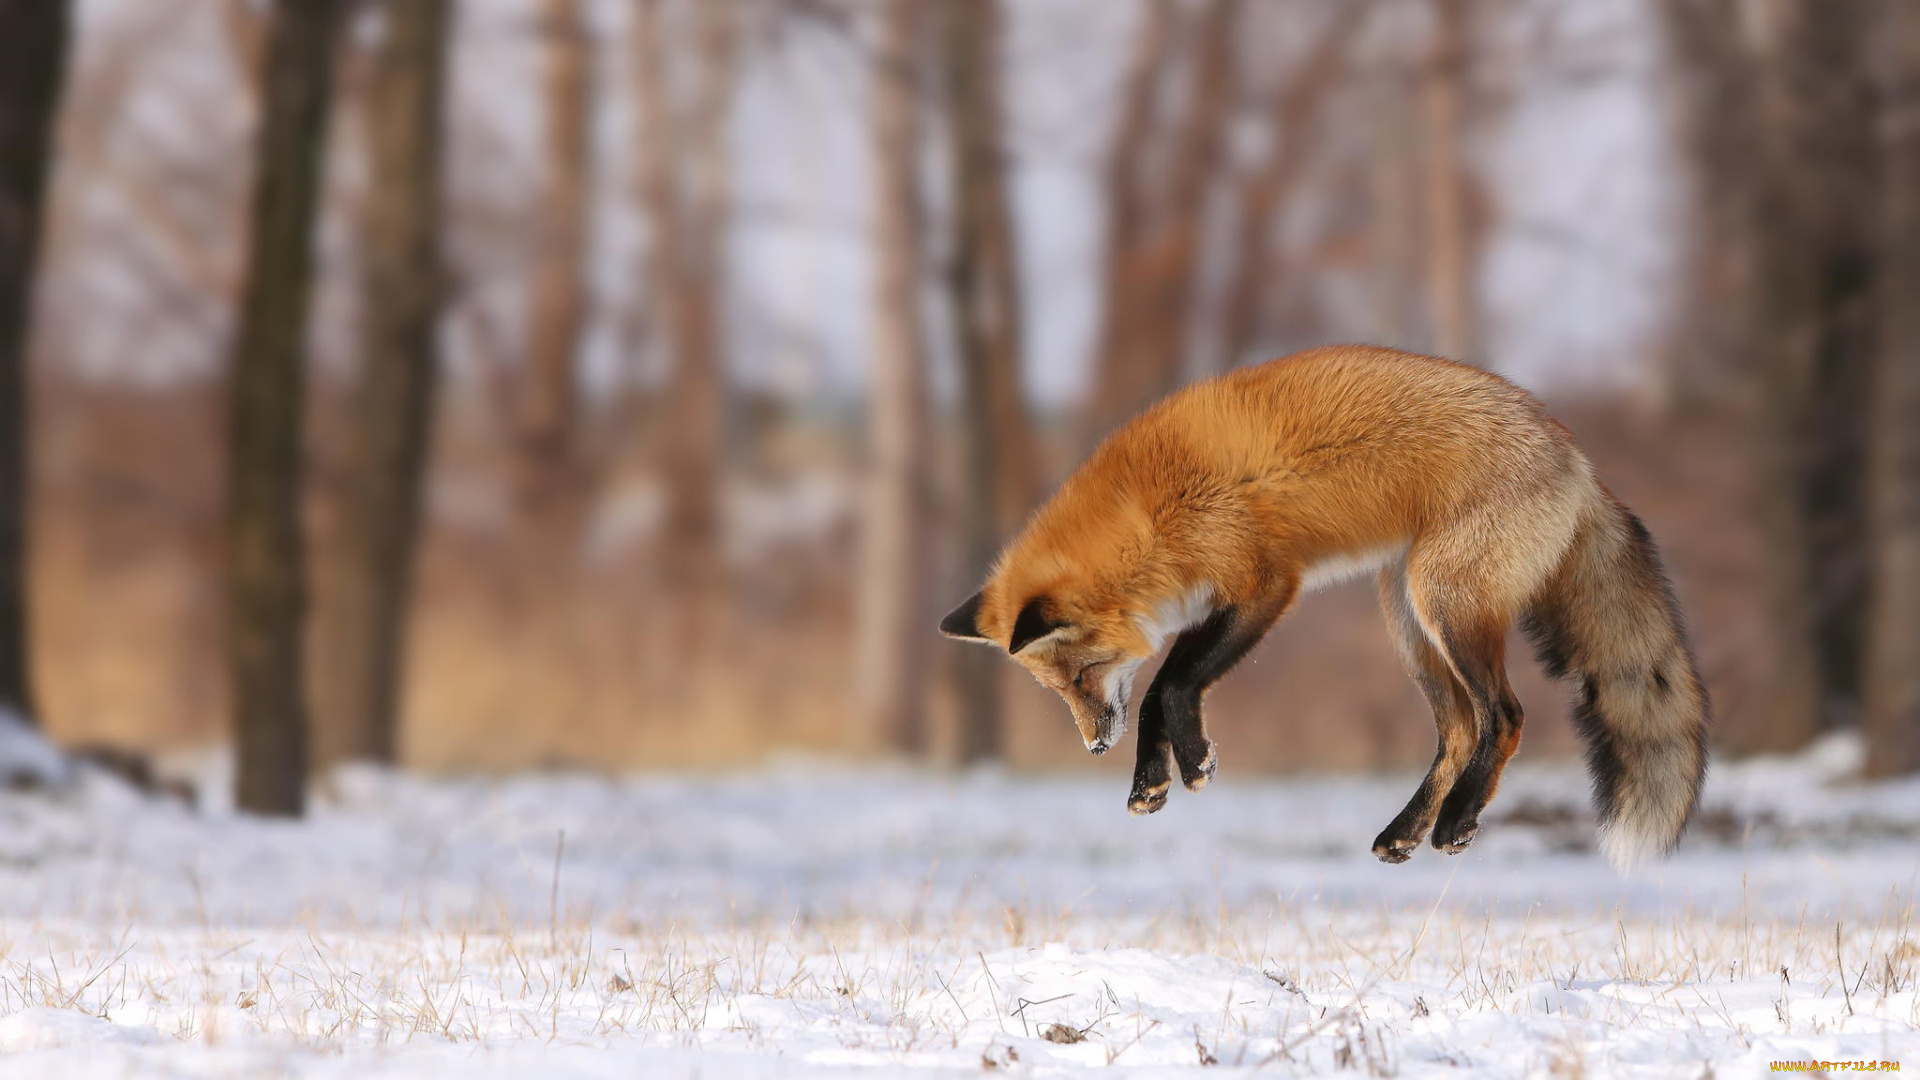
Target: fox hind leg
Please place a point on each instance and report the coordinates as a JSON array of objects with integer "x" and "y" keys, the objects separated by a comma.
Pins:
[
  {"x": 1467, "y": 581},
  {"x": 1500, "y": 723},
  {"x": 1474, "y": 644},
  {"x": 1453, "y": 717}
]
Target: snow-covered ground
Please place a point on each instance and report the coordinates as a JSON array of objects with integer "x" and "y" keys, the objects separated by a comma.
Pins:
[{"x": 817, "y": 920}]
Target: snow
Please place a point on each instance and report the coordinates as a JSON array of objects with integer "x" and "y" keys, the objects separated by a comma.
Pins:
[
  {"x": 818, "y": 919},
  {"x": 27, "y": 759}
]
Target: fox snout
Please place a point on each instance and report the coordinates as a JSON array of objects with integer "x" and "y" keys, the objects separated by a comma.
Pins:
[
  {"x": 1104, "y": 723},
  {"x": 1105, "y": 731}
]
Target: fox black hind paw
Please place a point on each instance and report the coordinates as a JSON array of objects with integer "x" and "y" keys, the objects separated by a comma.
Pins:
[
  {"x": 1196, "y": 771},
  {"x": 1453, "y": 837},
  {"x": 1394, "y": 848}
]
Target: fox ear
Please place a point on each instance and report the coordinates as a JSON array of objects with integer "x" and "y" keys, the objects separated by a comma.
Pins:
[
  {"x": 1032, "y": 624},
  {"x": 963, "y": 622}
]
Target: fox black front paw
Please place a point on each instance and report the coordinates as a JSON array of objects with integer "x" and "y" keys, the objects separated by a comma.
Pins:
[
  {"x": 1152, "y": 772},
  {"x": 1196, "y": 767},
  {"x": 1148, "y": 795}
]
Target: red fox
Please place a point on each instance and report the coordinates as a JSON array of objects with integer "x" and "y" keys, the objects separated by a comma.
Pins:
[{"x": 1202, "y": 519}]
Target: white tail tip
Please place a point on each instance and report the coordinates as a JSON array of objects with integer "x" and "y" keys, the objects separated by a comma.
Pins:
[{"x": 1629, "y": 846}]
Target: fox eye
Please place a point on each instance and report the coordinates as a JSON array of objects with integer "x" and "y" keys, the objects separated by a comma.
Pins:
[{"x": 1080, "y": 678}]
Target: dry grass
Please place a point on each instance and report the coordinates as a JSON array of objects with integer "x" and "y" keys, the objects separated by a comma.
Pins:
[{"x": 1303, "y": 983}]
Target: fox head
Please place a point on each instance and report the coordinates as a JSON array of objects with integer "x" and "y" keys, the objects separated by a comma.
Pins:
[{"x": 1086, "y": 655}]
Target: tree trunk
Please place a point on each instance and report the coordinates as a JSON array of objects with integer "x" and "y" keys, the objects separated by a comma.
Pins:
[
  {"x": 1814, "y": 278},
  {"x": 985, "y": 294},
  {"x": 1130, "y": 208},
  {"x": 1125, "y": 177},
  {"x": 1450, "y": 257},
  {"x": 267, "y": 564},
  {"x": 33, "y": 52},
  {"x": 891, "y": 607},
  {"x": 1891, "y": 713},
  {"x": 1392, "y": 212},
  {"x": 559, "y": 305},
  {"x": 1148, "y": 313},
  {"x": 693, "y": 292},
  {"x": 1715, "y": 76},
  {"x": 1292, "y": 117},
  {"x": 402, "y": 289},
  {"x": 654, "y": 153},
  {"x": 1779, "y": 109},
  {"x": 986, "y": 273}
]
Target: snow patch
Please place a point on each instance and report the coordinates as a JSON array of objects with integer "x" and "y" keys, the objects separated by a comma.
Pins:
[
  {"x": 44, "y": 1028},
  {"x": 27, "y": 759}
]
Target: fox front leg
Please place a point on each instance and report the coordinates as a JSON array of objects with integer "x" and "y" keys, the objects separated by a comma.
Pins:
[
  {"x": 1152, "y": 775},
  {"x": 1178, "y": 702},
  {"x": 1199, "y": 657}
]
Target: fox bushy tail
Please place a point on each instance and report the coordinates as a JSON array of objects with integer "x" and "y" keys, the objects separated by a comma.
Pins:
[{"x": 1607, "y": 619}]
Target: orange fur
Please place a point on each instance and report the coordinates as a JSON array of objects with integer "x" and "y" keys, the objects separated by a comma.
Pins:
[{"x": 1272, "y": 468}]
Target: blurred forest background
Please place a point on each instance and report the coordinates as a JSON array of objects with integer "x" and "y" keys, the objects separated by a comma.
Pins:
[{"x": 495, "y": 384}]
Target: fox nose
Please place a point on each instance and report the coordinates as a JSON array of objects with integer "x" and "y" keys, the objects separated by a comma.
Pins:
[{"x": 1099, "y": 746}]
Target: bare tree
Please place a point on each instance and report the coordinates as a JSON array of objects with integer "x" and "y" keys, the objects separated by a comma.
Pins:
[
  {"x": 689, "y": 212},
  {"x": 1891, "y": 706},
  {"x": 1715, "y": 72},
  {"x": 267, "y": 565},
  {"x": 984, "y": 292},
  {"x": 891, "y": 640},
  {"x": 1450, "y": 255},
  {"x": 1292, "y": 113},
  {"x": 365, "y": 615},
  {"x": 1815, "y": 269},
  {"x": 243, "y": 28},
  {"x": 1781, "y": 109},
  {"x": 1392, "y": 209},
  {"x": 1126, "y": 179},
  {"x": 655, "y": 152},
  {"x": 559, "y": 305},
  {"x": 1778, "y": 117},
  {"x": 33, "y": 52},
  {"x": 1150, "y": 288}
]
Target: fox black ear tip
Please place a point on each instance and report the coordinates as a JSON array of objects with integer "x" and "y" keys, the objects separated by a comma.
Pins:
[{"x": 963, "y": 622}]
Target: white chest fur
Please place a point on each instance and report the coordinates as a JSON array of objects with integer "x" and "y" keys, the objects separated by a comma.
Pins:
[{"x": 1177, "y": 613}]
